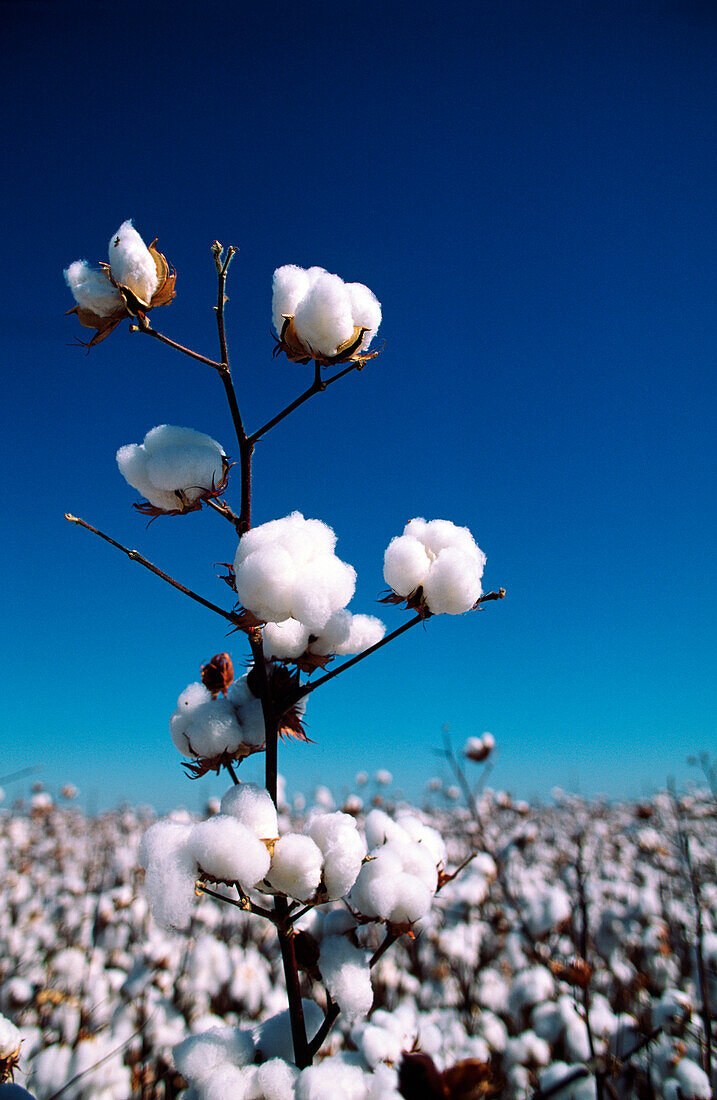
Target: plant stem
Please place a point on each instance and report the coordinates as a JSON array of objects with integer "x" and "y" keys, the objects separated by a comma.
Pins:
[
  {"x": 134, "y": 555},
  {"x": 143, "y": 325},
  {"x": 317, "y": 386}
]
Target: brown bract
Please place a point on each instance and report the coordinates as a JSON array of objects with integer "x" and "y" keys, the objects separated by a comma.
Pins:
[
  {"x": 298, "y": 351},
  {"x": 414, "y": 602},
  {"x": 8, "y": 1065},
  {"x": 185, "y": 505},
  {"x": 133, "y": 305}
]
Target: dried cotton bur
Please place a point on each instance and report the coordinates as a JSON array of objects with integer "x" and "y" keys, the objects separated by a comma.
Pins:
[{"x": 292, "y": 593}]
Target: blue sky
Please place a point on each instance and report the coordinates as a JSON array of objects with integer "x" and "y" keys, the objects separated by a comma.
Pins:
[{"x": 530, "y": 191}]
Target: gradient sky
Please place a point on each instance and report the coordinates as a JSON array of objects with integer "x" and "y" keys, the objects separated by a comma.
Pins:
[{"x": 529, "y": 188}]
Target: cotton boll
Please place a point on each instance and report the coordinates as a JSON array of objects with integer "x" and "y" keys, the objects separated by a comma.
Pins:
[
  {"x": 194, "y": 468},
  {"x": 365, "y": 311},
  {"x": 346, "y": 974},
  {"x": 226, "y": 1080},
  {"x": 453, "y": 583},
  {"x": 334, "y": 634},
  {"x": 295, "y": 866},
  {"x": 132, "y": 462},
  {"x": 343, "y": 851},
  {"x": 277, "y": 1079},
  {"x": 692, "y": 1080},
  {"x": 322, "y": 586},
  {"x": 405, "y": 564},
  {"x": 197, "y": 1056},
  {"x": 265, "y": 582},
  {"x": 131, "y": 263},
  {"x": 440, "y": 534},
  {"x": 171, "y": 871},
  {"x": 290, "y": 284},
  {"x": 274, "y": 531},
  {"x": 206, "y": 729},
  {"x": 286, "y": 639},
  {"x": 92, "y": 289},
  {"x": 171, "y": 461},
  {"x": 228, "y": 851},
  {"x": 248, "y": 713},
  {"x": 424, "y": 834},
  {"x": 323, "y": 318},
  {"x": 364, "y": 631},
  {"x": 329, "y": 1080},
  {"x": 10, "y": 1038},
  {"x": 252, "y": 806}
]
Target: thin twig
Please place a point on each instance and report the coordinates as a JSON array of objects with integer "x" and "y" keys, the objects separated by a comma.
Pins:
[
  {"x": 223, "y": 509},
  {"x": 317, "y": 386},
  {"x": 246, "y": 904},
  {"x": 144, "y": 326},
  {"x": 134, "y": 555}
]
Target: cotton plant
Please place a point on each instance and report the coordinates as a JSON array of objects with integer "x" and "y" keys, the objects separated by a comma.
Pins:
[{"x": 291, "y": 593}]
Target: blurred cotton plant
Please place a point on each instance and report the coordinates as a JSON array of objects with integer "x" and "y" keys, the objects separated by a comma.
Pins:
[{"x": 291, "y": 602}]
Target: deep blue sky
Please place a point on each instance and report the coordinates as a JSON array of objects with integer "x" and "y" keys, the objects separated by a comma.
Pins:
[{"x": 529, "y": 188}]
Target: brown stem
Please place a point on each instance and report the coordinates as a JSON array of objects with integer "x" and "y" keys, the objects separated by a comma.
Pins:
[
  {"x": 306, "y": 689},
  {"x": 332, "y": 1014},
  {"x": 246, "y": 904},
  {"x": 222, "y": 269},
  {"x": 143, "y": 325},
  {"x": 223, "y": 509},
  {"x": 317, "y": 386},
  {"x": 134, "y": 555}
]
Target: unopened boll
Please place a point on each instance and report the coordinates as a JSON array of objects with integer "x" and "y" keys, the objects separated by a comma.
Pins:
[
  {"x": 287, "y": 569},
  {"x": 441, "y": 559},
  {"x": 325, "y": 310},
  {"x": 173, "y": 467}
]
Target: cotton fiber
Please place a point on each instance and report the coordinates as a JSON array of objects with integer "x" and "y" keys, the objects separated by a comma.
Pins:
[
  {"x": 346, "y": 974},
  {"x": 174, "y": 467},
  {"x": 171, "y": 872},
  {"x": 440, "y": 558},
  {"x": 287, "y": 569},
  {"x": 92, "y": 290},
  {"x": 197, "y": 1056},
  {"x": 229, "y": 851},
  {"x": 343, "y": 850},
  {"x": 132, "y": 264},
  {"x": 252, "y": 806},
  {"x": 295, "y": 866},
  {"x": 325, "y": 310},
  {"x": 345, "y": 634}
]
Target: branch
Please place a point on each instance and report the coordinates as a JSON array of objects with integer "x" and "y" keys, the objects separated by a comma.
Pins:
[
  {"x": 317, "y": 386},
  {"x": 143, "y": 325},
  {"x": 222, "y": 266},
  {"x": 306, "y": 689},
  {"x": 134, "y": 555}
]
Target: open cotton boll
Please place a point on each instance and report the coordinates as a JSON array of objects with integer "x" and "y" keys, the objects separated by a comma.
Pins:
[
  {"x": 322, "y": 586},
  {"x": 345, "y": 634},
  {"x": 405, "y": 564},
  {"x": 453, "y": 583},
  {"x": 323, "y": 319},
  {"x": 248, "y": 712},
  {"x": 132, "y": 264},
  {"x": 379, "y": 828},
  {"x": 252, "y": 806},
  {"x": 424, "y": 834},
  {"x": 277, "y": 1079},
  {"x": 229, "y": 851},
  {"x": 303, "y": 538},
  {"x": 265, "y": 583},
  {"x": 92, "y": 290},
  {"x": 132, "y": 462},
  {"x": 206, "y": 729},
  {"x": 346, "y": 974},
  {"x": 331, "y": 1079},
  {"x": 285, "y": 640},
  {"x": 226, "y": 1080},
  {"x": 343, "y": 849},
  {"x": 197, "y": 1056},
  {"x": 289, "y": 285},
  {"x": 170, "y": 461},
  {"x": 10, "y": 1037},
  {"x": 171, "y": 872},
  {"x": 193, "y": 468},
  {"x": 295, "y": 866},
  {"x": 365, "y": 311}
]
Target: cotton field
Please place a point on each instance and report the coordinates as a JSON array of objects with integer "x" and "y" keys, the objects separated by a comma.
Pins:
[{"x": 557, "y": 914}]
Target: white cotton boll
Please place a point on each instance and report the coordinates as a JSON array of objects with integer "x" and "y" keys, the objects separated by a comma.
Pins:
[
  {"x": 226, "y": 1080},
  {"x": 365, "y": 311},
  {"x": 277, "y": 1079},
  {"x": 405, "y": 564},
  {"x": 424, "y": 834},
  {"x": 364, "y": 631},
  {"x": 330, "y": 1080},
  {"x": 273, "y": 1036},
  {"x": 252, "y": 806},
  {"x": 198, "y": 1055},
  {"x": 295, "y": 866},
  {"x": 334, "y": 634},
  {"x": 290, "y": 284},
  {"x": 171, "y": 871},
  {"x": 92, "y": 289},
  {"x": 441, "y": 534},
  {"x": 227, "y": 850},
  {"x": 322, "y": 586},
  {"x": 206, "y": 729},
  {"x": 346, "y": 974},
  {"x": 418, "y": 860},
  {"x": 131, "y": 263},
  {"x": 172, "y": 460},
  {"x": 453, "y": 583},
  {"x": 265, "y": 583},
  {"x": 274, "y": 531},
  {"x": 285, "y": 640},
  {"x": 132, "y": 462},
  {"x": 10, "y": 1037},
  {"x": 413, "y": 902},
  {"x": 343, "y": 849},
  {"x": 195, "y": 469},
  {"x": 379, "y": 828},
  {"x": 323, "y": 318},
  {"x": 248, "y": 712},
  {"x": 306, "y": 539},
  {"x": 692, "y": 1080}
]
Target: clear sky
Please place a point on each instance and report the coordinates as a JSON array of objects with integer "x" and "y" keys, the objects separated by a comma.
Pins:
[{"x": 530, "y": 190}]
